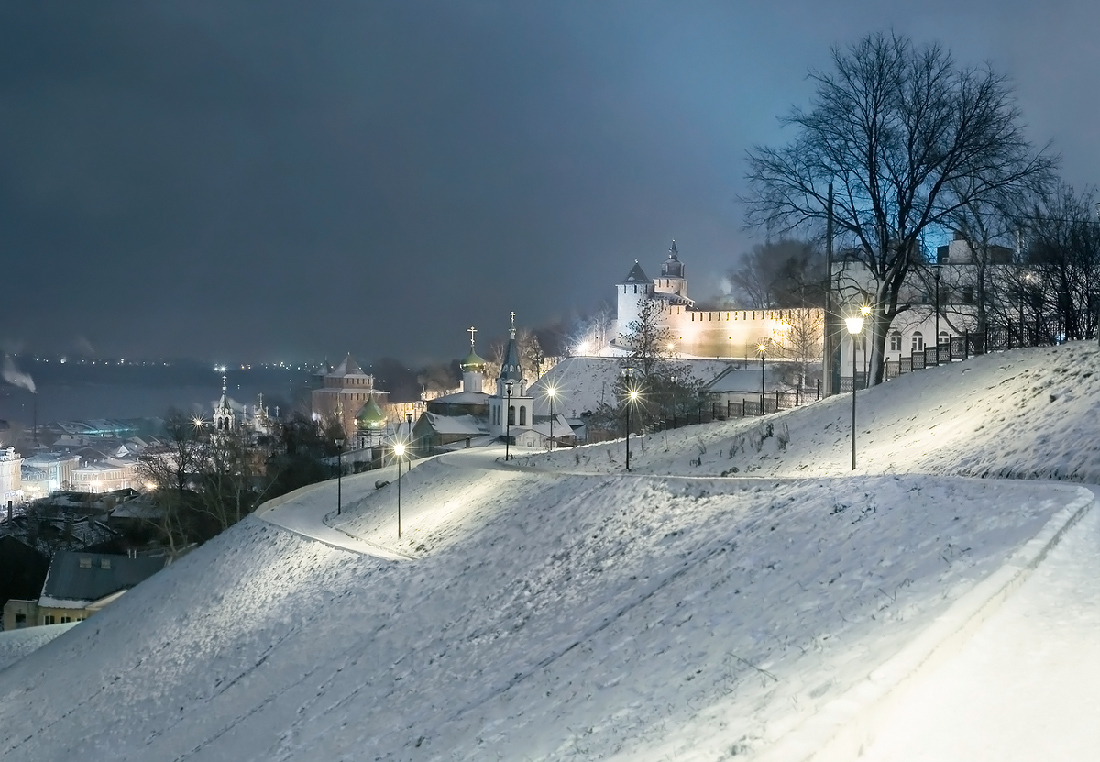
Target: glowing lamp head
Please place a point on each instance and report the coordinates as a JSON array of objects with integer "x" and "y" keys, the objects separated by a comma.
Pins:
[
  {"x": 633, "y": 395},
  {"x": 197, "y": 422},
  {"x": 855, "y": 325},
  {"x": 761, "y": 347},
  {"x": 582, "y": 348},
  {"x": 399, "y": 449},
  {"x": 865, "y": 310},
  {"x": 551, "y": 392}
]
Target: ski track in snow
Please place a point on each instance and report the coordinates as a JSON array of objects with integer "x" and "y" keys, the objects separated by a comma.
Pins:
[{"x": 562, "y": 609}]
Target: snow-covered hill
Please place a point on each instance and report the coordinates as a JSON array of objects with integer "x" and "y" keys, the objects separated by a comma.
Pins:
[
  {"x": 556, "y": 614},
  {"x": 1025, "y": 413}
]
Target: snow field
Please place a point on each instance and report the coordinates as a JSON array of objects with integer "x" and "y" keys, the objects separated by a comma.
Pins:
[{"x": 559, "y": 617}]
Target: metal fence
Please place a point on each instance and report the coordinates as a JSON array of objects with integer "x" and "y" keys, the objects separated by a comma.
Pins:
[{"x": 994, "y": 339}]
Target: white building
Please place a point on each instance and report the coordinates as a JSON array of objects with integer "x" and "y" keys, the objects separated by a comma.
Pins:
[
  {"x": 11, "y": 478},
  {"x": 697, "y": 331},
  {"x": 511, "y": 405}
]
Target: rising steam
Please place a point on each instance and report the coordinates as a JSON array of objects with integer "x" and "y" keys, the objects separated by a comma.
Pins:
[{"x": 16, "y": 377}]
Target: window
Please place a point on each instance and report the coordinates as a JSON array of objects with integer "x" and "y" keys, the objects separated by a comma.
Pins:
[
  {"x": 105, "y": 563},
  {"x": 66, "y": 620},
  {"x": 895, "y": 341},
  {"x": 85, "y": 562},
  {"x": 47, "y": 619},
  {"x": 918, "y": 342},
  {"x": 523, "y": 415},
  {"x": 635, "y": 289},
  {"x": 20, "y": 621},
  {"x": 968, "y": 294},
  {"x": 945, "y": 338}
]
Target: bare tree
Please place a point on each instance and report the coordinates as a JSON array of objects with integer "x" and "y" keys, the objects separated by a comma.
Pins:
[
  {"x": 648, "y": 337},
  {"x": 170, "y": 470},
  {"x": 1063, "y": 260},
  {"x": 907, "y": 139},
  {"x": 780, "y": 274}
]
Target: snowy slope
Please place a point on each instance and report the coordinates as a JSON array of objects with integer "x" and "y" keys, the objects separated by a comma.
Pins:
[
  {"x": 565, "y": 615},
  {"x": 16, "y": 644},
  {"x": 1028, "y": 413},
  {"x": 582, "y": 383}
]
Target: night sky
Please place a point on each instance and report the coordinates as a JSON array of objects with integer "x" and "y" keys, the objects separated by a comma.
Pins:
[{"x": 274, "y": 181}]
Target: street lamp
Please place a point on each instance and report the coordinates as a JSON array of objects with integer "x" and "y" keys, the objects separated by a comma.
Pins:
[
  {"x": 398, "y": 452},
  {"x": 508, "y": 434},
  {"x": 855, "y": 327},
  {"x": 551, "y": 392},
  {"x": 409, "y": 420},
  {"x": 762, "y": 348},
  {"x": 631, "y": 398},
  {"x": 339, "y": 472}
]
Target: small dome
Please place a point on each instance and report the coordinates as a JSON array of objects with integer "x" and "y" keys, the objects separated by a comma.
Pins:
[
  {"x": 370, "y": 416},
  {"x": 473, "y": 362}
]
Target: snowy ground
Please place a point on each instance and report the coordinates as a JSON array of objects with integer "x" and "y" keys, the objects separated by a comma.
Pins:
[
  {"x": 1025, "y": 686},
  {"x": 577, "y": 612},
  {"x": 16, "y": 644}
]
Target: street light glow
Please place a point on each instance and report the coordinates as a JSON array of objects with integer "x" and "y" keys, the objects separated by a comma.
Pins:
[
  {"x": 855, "y": 324},
  {"x": 399, "y": 449}
]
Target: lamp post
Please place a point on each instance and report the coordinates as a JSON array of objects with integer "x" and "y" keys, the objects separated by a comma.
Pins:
[
  {"x": 508, "y": 414},
  {"x": 631, "y": 396},
  {"x": 855, "y": 327},
  {"x": 551, "y": 392},
  {"x": 339, "y": 472},
  {"x": 762, "y": 349},
  {"x": 937, "y": 309},
  {"x": 398, "y": 452},
  {"x": 409, "y": 420}
]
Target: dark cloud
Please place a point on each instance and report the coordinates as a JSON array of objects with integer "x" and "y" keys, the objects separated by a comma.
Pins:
[{"x": 234, "y": 180}]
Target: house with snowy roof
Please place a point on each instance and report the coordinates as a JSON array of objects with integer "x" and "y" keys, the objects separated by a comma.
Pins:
[{"x": 80, "y": 584}]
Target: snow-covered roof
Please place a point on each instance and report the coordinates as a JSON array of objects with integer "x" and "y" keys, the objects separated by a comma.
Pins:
[
  {"x": 461, "y": 425},
  {"x": 462, "y": 398},
  {"x": 80, "y": 578}
]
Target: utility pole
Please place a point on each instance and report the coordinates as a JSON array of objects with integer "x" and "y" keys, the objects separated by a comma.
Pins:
[{"x": 828, "y": 349}]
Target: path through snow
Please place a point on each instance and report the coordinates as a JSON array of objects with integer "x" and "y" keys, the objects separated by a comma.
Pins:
[{"x": 1026, "y": 685}]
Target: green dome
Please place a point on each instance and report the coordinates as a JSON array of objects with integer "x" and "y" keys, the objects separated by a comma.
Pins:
[
  {"x": 370, "y": 416},
  {"x": 473, "y": 362}
]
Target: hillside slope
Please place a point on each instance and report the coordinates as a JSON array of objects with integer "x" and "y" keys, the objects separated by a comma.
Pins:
[
  {"x": 1025, "y": 413},
  {"x": 539, "y": 615}
]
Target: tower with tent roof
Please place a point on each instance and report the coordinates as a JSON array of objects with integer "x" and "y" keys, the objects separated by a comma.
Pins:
[
  {"x": 225, "y": 419},
  {"x": 516, "y": 408}
]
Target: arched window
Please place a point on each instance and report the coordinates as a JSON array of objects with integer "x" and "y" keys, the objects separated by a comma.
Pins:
[
  {"x": 511, "y": 415},
  {"x": 945, "y": 338},
  {"x": 523, "y": 415},
  {"x": 895, "y": 341},
  {"x": 918, "y": 342}
]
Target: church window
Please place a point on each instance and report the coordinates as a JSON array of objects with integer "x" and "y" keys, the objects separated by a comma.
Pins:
[
  {"x": 511, "y": 415},
  {"x": 895, "y": 341},
  {"x": 635, "y": 289},
  {"x": 523, "y": 415},
  {"x": 744, "y": 316},
  {"x": 918, "y": 342}
]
